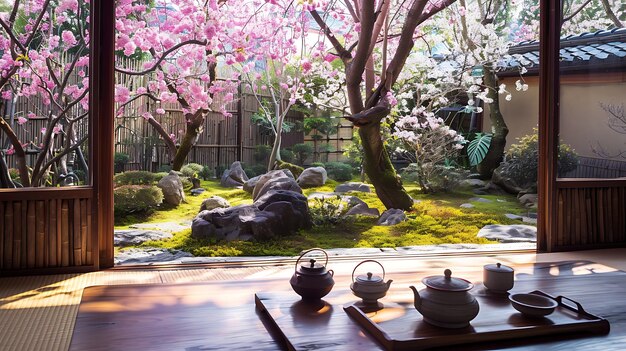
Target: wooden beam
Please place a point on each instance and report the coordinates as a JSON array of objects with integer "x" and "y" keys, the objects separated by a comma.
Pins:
[
  {"x": 102, "y": 128},
  {"x": 549, "y": 29}
]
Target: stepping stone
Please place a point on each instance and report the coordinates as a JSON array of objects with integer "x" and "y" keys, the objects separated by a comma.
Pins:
[
  {"x": 130, "y": 237},
  {"x": 513, "y": 216},
  {"x": 149, "y": 255},
  {"x": 467, "y": 205},
  {"x": 509, "y": 233},
  {"x": 480, "y": 199},
  {"x": 163, "y": 226}
]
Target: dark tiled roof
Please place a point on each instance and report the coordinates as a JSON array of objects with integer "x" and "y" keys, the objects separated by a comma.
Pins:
[{"x": 604, "y": 49}]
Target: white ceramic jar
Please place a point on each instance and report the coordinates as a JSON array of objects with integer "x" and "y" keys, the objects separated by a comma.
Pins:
[{"x": 498, "y": 278}]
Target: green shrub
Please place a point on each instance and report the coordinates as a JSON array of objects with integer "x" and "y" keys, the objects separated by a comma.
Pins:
[
  {"x": 120, "y": 160},
  {"x": 159, "y": 176},
  {"x": 262, "y": 153},
  {"x": 327, "y": 211},
  {"x": 339, "y": 171},
  {"x": 14, "y": 174},
  {"x": 295, "y": 169},
  {"x": 254, "y": 170},
  {"x": 206, "y": 173},
  {"x": 191, "y": 169},
  {"x": 302, "y": 152},
  {"x": 521, "y": 162},
  {"x": 134, "y": 178},
  {"x": 317, "y": 164},
  {"x": 287, "y": 155},
  {"x": 136, "y": 198}
]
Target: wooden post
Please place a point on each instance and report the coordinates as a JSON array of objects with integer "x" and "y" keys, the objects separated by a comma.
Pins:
[
  {"x": 239, "y": 141},
  {"x": 102, "y": 60},
  {"x": 549, "y": 46}
]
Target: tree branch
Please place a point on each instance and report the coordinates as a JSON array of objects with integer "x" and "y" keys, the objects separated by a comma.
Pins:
[
  {"x": 19, "y": 151},
  {"x": 344, "y": 54},
  {"x": 161, "y": 58}
]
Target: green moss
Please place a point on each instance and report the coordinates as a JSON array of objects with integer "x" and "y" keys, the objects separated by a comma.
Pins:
[{"x": 436, "y": 219}]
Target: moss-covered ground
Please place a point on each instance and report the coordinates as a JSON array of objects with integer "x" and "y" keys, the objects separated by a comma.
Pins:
[{"x": 436, "y": 219}]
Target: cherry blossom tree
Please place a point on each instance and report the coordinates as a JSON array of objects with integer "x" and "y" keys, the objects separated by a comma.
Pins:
[
  {"x": 182, "y": 43},
  {"x": 44, "y": 55},
  {"x": 374, "y": 31}
]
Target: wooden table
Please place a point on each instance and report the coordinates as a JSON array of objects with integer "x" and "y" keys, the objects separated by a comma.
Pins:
[{"x": 222, "y": 316}]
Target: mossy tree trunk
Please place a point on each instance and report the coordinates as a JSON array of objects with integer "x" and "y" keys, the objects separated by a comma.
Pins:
[
  {"x": 499, "y": 129},
  {"x": 378, "y": 167}
]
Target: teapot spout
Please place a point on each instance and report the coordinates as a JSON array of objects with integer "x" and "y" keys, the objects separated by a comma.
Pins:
[
  {"x": 418, "y": 300},
  {"x": 389, "y": 283}
]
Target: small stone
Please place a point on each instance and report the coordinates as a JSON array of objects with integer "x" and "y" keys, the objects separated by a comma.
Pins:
[
  {"x": 197, "y": 191},
  {"x": 214, "y": 202},
  {"x": 352, "y": 186},
  {"x": 474, "y": 183},
  {"x": 528, "y": 199},
  {"x": 466, "y": 205},
  {"x": 513, "y": 216},
  {"x": 392, "y": 216},
  {"x": 363, "y": 210},
  {"x": 480, "y": 199}
]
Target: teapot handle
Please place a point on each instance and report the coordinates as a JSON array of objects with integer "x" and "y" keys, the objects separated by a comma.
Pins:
[
  {"x": 357, "y": 266},
  {"x": 306, "y": 252}
]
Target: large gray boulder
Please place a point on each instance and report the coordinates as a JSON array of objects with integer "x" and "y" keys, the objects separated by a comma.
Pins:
[
  {"x": 276, "y": 213},
  {"x": 172, "y": 188},
  {"x": 392, "y": 216},
  {"x": 312, "y": 177},
  {"x": 234, "y": 177},
  {"x": 352, "y": 186},
  {"x": 274, "y": 180},
  {"x": 252, "y": 182},
  {"x": 214, "y": 202},
  {"x": 506, "y": 183}
]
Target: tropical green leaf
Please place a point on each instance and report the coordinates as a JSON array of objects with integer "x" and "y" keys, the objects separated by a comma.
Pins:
[{"x": 477, "y": 148}]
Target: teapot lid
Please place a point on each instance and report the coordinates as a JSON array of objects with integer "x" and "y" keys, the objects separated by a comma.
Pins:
[
  {"x": 498, "y": 267},
  {"x": 369, "y": 279},
  {"x": 447, "y": 282},
  {"x": 312, "y": 267}
]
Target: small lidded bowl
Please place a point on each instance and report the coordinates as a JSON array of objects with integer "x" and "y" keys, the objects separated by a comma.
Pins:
[{"x": 498, "y": 278}]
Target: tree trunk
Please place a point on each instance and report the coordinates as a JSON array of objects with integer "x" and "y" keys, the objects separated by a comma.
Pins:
[
  {"x": 194, "y": 127},
  {"x": 275, "y": 154},
  {"x": 498, "y": 128},
  {"x": 380, "y": 171}
]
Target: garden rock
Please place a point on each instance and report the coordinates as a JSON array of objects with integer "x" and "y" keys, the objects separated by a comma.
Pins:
[
  {"x": 480, "y": 199},
  {"x": 172, "y": 188},
  {"x": 509, "y": 233},
  {"x": 149, "y": 255},
  {"x": 489, "y": 189},
  {"x": 508, "y": 184},
  {"x": 129, "y": 237},
  {"x": 352, "y": 186},
  {"x": 276, "y": 213},
  {"x": 197, "y": 191},
  {"x": 312, "y": 177},
  {"x": 363, "y": 210},
  {"x": 274, "y": 180},
  {"x": 249, "y": 185},
  {"x": 392, "y": 216},
  {"x": 214, "y": 202},
  {"x": 529, "y": 200},
  {"x": 467, "y": 205},
  {"x": 473, "y": 183},
  {"x": 234, "y": 177},
  {"x": 513, "y": 216}
]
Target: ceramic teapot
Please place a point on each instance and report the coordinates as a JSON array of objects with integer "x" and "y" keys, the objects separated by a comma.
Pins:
[
  {"x": 446, "y": 302},
  {"x": 369, "y": 287},
  {"x": 311, "y": 280}
]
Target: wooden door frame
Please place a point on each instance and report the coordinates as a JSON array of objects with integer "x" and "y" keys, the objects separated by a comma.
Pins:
[{"x": 101, "y": 128}]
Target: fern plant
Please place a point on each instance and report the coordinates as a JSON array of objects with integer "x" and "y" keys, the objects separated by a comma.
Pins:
[{"x": 477, "y": 148}]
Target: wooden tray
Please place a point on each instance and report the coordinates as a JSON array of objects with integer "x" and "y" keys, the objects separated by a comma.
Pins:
[{"x": 400, "y": 326}]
